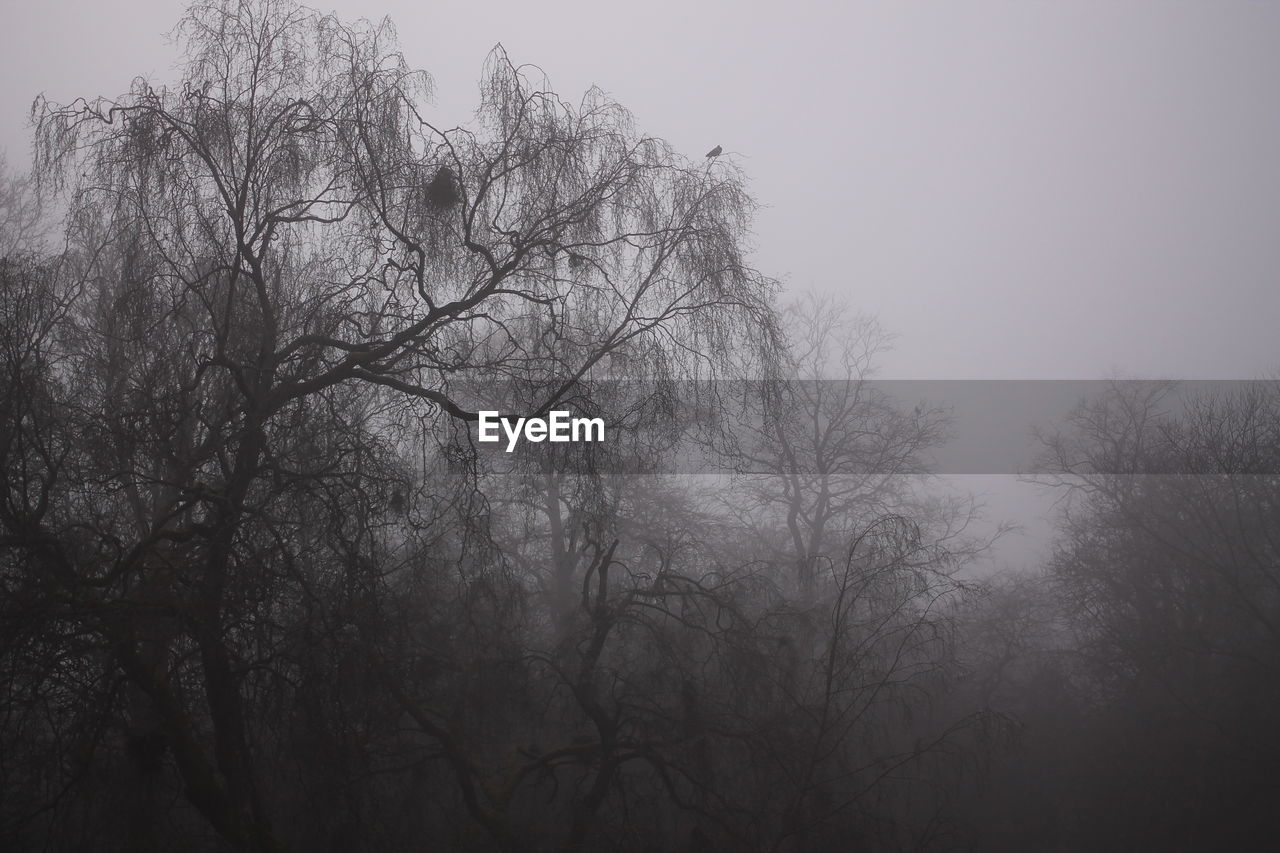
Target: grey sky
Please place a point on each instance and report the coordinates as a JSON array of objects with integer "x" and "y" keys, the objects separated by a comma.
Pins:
[{"x": 1017, "y": 189}]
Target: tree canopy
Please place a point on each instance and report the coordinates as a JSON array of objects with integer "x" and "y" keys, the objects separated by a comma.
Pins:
[{"x": 262, "y": 589}]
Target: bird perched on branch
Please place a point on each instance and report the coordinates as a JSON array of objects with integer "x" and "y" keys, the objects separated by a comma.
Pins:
[{"x": 715, "y": 152}]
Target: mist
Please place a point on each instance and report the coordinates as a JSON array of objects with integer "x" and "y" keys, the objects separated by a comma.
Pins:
[{"x": 557, "y": 428}]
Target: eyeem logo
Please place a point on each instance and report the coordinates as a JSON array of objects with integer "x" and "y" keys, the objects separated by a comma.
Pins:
[{"x": 557, "y": 427}]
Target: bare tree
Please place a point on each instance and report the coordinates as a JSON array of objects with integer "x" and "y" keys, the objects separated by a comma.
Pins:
[
  {"x": 832, "y": 453},
  {"x": 22, "y": 222},
  {"x": 1166, "y": 565},
  {"x": 275, "y": 268}
]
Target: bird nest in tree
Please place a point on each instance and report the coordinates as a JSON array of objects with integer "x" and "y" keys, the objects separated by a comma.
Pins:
[{"x": 443, "y": 191}]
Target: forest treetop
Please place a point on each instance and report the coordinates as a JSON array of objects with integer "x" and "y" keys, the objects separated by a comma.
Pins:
[
  {"x": 293, "y": 178},
  {"x": 258, "y": 591}
]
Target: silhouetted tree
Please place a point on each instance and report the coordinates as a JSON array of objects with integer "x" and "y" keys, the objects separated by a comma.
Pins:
[
  {"x": 1166, "y": 564},
  {"x": 242, "y": 526}
]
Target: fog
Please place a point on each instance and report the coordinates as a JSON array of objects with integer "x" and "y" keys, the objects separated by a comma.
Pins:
[{"x": 933, "y": 502}]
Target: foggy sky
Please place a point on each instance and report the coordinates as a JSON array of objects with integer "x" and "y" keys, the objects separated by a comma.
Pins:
[
  {"x": 1026, "y": 190},
  {"x": 1018, "y": 189}
]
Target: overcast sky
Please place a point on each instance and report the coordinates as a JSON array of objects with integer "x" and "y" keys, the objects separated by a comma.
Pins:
[
  {"x": 1068, "y": 189},
  {"x": 1064, "y": 189}
]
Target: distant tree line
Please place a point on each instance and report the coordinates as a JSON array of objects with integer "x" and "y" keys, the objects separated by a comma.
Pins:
[{"x": 260, "y": 590}]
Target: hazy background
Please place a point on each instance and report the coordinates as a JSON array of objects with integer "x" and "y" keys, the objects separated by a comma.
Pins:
[{"x": 1017, "y": 189}]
